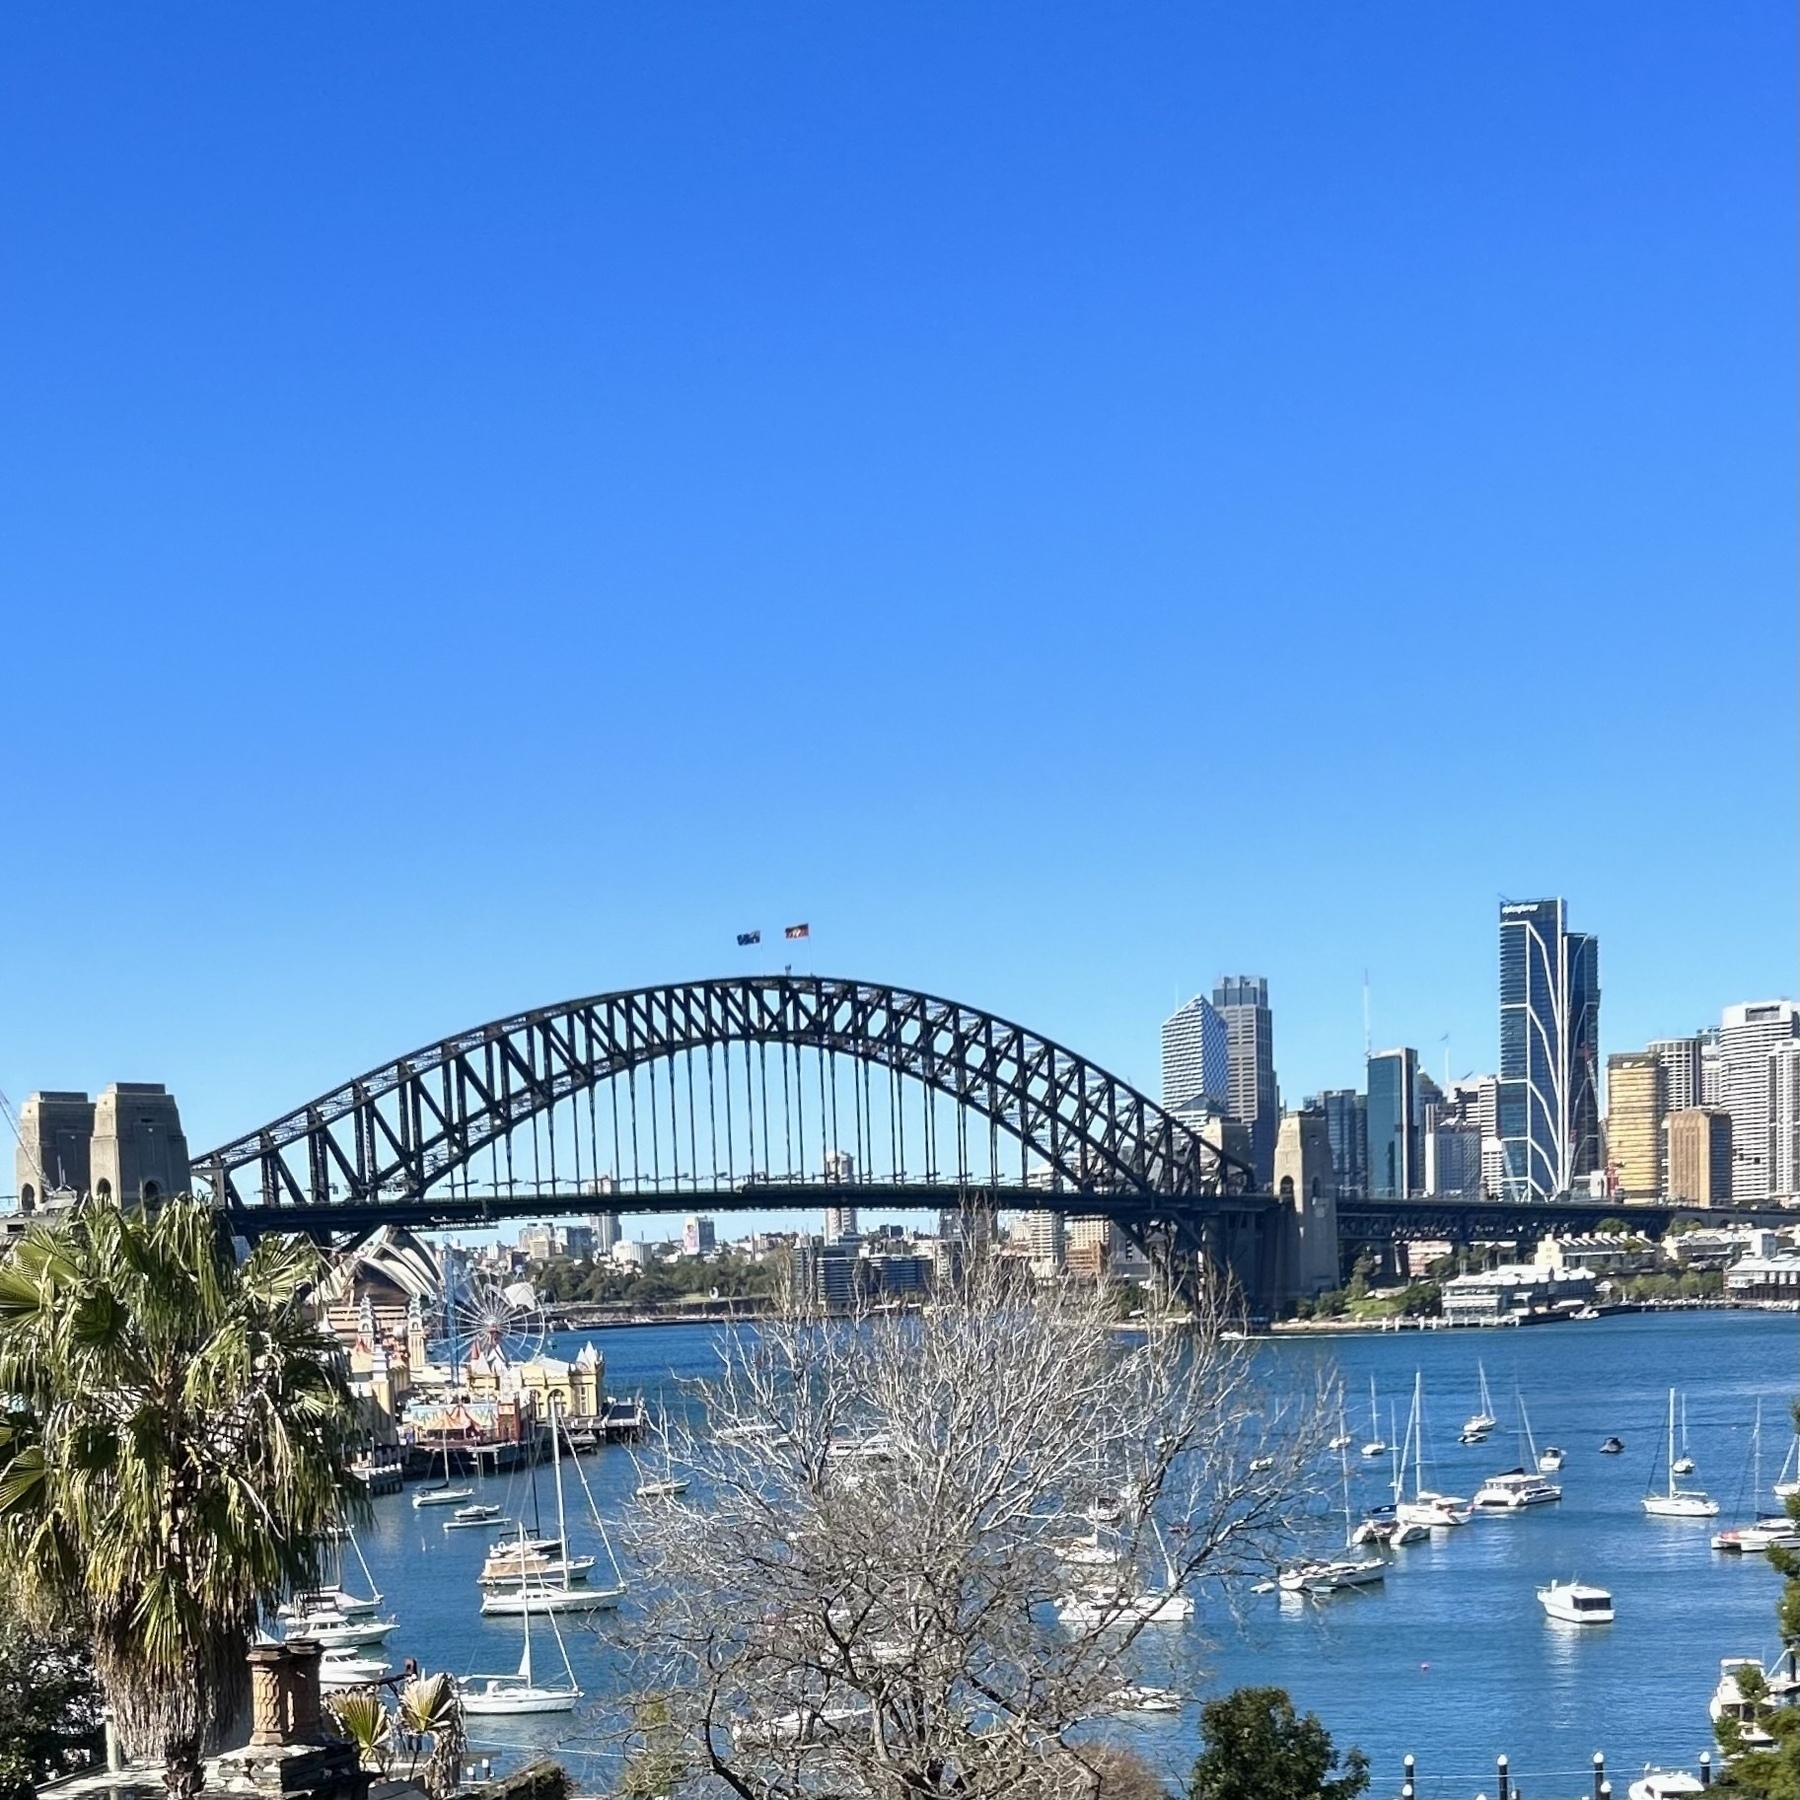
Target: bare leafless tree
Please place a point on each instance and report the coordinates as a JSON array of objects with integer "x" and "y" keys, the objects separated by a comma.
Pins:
[{"x": 885, "y": 1577}]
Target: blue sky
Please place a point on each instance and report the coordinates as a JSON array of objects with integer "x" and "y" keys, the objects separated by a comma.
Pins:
[{"x": 1067, "y": 500}]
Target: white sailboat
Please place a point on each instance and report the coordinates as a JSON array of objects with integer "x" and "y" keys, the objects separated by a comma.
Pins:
[
  {"x": 1426, "y": 1507},
  {"x": 536, "y": 1591},
  {"x": 1679, "y": 1502},
  {"x": 443, "y": 1494},
  {"x": 1336, "y": 1575},
  {"x": 1523, "y": 1486},
  {"x": 1477, "y": 1425},
  {"x": 1377, "y": 1444},
  {"x": 1684, "y": 1463},
  {"x": 1343, "y": 1440},
  {"x": 502, "y": 1696}
]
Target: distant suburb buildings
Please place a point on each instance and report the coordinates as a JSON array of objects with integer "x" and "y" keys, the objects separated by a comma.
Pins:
[{"x": 1708, "y": 1119}]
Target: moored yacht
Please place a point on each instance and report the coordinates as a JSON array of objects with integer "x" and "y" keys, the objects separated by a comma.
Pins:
[
  {"x": 1432, "y": 1510},
  {"x": 1514, "y": 1489},
  {"x": 1679, "y": 1502},
  {"x": 1576, "y": 1603},
  {"x": 503, "y": 1696},
  {"x": 1730, "y": 1702},
  {"x": 1480, "y": 1423}
]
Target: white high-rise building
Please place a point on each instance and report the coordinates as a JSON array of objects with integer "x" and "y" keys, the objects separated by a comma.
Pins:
[
  {"x": 1044, "y": 1232},
  {"x": 1784, "y": 1121},
  {"x": 1680, "y": 1058},
  {"x": 1196, "y": 1055},
  {"x": 1748, "y": 1037}
]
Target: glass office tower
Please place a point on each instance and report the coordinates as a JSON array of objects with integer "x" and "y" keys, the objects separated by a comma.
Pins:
[
  {"x": 1549, "y": 1100},
  {"x": 1394, "y": 1168}
]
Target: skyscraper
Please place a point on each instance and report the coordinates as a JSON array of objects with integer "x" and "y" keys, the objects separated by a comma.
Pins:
[
  {"x": 1700, "y": 1156},
  {"x": 1784, "y": 1121},
  {"x": 1549, "y": 1099},
  {"x": 1394, "y": 1160},
  {"x": 1748, "y": 1034},
  {"x": 1243, "y": 1002},
  {"x": 1680, "y": 1058},
  {"x": 1196, "y": 1057},
  {"x": 1636, "y": 1104},
  {"x": 1347, "y": 1125}
]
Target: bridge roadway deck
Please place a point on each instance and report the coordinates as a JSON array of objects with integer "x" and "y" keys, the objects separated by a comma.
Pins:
[{"x": 1359, "y": 1221}]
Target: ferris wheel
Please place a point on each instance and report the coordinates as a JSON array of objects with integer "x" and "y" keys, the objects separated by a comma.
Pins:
[{"x": 485, "y": 1315}]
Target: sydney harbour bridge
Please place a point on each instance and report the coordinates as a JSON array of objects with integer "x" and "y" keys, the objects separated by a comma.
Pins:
[{"x": 765, "y": 1092}]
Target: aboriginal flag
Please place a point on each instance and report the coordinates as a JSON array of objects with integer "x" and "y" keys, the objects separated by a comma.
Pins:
[{"x": 798, "y": 931}]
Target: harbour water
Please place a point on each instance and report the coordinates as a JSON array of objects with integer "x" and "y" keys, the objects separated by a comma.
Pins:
[{"x": 1451, "y": 1659}]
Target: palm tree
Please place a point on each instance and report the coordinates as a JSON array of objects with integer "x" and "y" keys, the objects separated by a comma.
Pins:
[{"x": 173, "y": 1452}]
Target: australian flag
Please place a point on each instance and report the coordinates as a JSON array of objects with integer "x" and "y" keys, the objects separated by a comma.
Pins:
[{"x": 749, "y": 937}]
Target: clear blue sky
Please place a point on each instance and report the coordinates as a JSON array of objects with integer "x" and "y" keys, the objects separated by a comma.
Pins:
[{"x": 1068, "y": 500}]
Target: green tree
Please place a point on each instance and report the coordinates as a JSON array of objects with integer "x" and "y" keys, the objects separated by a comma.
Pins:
[
  {"x": 175, "y": 1451},
  {"x": 49, "y": 1701},
  {"x": 1257, "y": 1748}
]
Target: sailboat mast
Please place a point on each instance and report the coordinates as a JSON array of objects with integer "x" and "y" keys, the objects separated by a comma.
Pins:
[
  {"x": 562, "y": 1526},
  {"x": 1671, "y": 1443},
  {"x": 1417, "y": 1429}
]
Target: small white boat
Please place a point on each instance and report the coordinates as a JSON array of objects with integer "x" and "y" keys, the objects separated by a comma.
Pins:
[
  {"x": 1086, "y": 1553},
  {"x": 332, "y": 1631},
  {"x": 1551, "y": 1460},
  {"x": 506, "y": 1696},
  {"x": 348, "y": 1669},
  {"x": 660, "y": 1490},
  {"x": 441, "y": 1496},
  {"x": 470, "y": 1518},
  {"x": 1679, "y": 1502},
  {"x": 329, "y": 1600},
  {"x": 1433, "y": 1510},
  {"x": 1141, "y": 1699},
  {"x": 1684, "y": 1463},
  {"x": 1336, "y": 1577},
  {"x": 1666, "y": 1784},
  {"x": 1763, "y": 1536},
  {"x": 802, "y": 1727},
  {"x": 1576, "y": 1603},
  {"x": 1111, "y": 1605}
]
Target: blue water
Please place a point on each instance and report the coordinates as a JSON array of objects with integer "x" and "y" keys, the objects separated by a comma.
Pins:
[{"x": 1452, "y": 1659}]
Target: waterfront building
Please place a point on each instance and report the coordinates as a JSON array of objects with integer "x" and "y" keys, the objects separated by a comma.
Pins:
[
  {"x": 1748, "y": 1034},
  {"x": 1765, "y": 1280},
  {"x": 822, "y": 1275},
  {"x": 1784, "y": 1122},
  {"x": 1699, "y": 1156},
  {"x": 1512, "y": 1291},
  {"x": 1600, "y": 1255},
  {"x": 1254, "y": 1100},
  {"x": 1719, "y": 1247},
  {"x": 699, "y": 1237},
  {"x": 1091, "y": 1247},
  {"x": 1548, "y": 1100},
  {"x": 1347, "y": 1125},
  {"x": 1393, "y": 1126},
  {"x": 1196, "y": 1056},
  {"x": 1681, "y": 1061},
  {"x": 1636, "y": 1104}
]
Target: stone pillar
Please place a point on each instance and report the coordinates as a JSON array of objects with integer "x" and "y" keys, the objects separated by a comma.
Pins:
[
  {"x": 268, "y": 1696},
  {"x": 305, "y": 1726}
]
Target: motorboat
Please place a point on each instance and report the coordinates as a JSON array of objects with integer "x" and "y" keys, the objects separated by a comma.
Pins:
[
  {"x": 1679, "y": 1502},
  {"x": 1666, "y": 1784},
  {"x": 349, "y": 1668},
  {"x": 1478, "y": 1425},
  {"x": 332, "y": 1631},
  {"x": 807, "y": 1727},
  {"x": 1729, "y": 1701},
  {"x": 470, "y": 1518},
  {"x": 1612, "y": 1446},
  {"x": 1514, "y": 1489},
  {"x": 660, "y": 1490},
  {"x": 1108, "y": 1604},
  {"x": 506, "y": 1696},
  {"x": 1754, "y": 1540},
  {"x": 1550, "y": 1459},
  {"x": 1576, "y": 1603},
  {"x": 441, "y": 1496},
  {"x": 1141, "y": 1699}
]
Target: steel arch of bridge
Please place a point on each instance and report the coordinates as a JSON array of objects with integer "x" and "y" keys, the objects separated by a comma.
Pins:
[{"x": 401, "y": 1132}]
